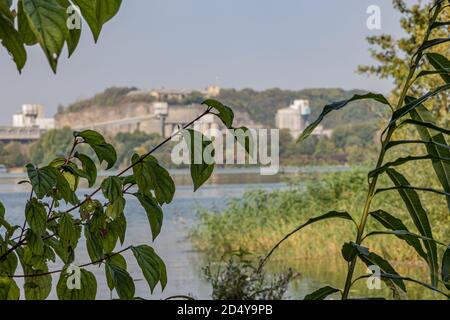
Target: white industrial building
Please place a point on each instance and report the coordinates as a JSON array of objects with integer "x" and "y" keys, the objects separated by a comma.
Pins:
[
  {"x": 295, "y": 118},
  {"x": 32, "y": 116}
]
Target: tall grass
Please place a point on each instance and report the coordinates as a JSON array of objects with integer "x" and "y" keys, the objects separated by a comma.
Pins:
[{"x": 258, "y": 220}]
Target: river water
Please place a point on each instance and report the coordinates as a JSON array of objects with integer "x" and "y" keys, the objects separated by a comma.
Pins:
[{"x": 184, "y": 264}]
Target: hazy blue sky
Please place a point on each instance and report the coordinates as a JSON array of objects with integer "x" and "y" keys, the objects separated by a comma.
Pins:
[{"x": 260, "y": 44}]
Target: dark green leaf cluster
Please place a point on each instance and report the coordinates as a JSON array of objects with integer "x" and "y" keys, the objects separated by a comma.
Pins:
[{"x": 51, "y": 24}]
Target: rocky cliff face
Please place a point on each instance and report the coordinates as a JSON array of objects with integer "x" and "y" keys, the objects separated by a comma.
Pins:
[{"x": 136, "y": 116}]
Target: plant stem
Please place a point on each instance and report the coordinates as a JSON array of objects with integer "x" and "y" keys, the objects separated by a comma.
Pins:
[{"x": 373, "y": 183}]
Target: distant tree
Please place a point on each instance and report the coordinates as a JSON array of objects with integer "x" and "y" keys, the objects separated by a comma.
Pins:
[{"x": 393, "y": 55}]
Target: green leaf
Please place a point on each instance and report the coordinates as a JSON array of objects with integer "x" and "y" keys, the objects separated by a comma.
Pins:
[
  {"x": 397, "y": 277},
  {"x": 9, "y": 264},
  {"x": 244, "y": 137},
  {"x": 326, "y": 216},
  {"x": 432, "y": 43},
  {"x": 406, "y": 109},
  {"x": 392, "y": 223},
  {"x": 35, "y": 243},
  {"x": 115, "y": 209},
  {"x": 154, "y": 212},
  {"x": 440, "y": 63},
  {"x": 39, "y": 287},
  {"x": 68, "y": 232},
  {"x": 119, "y": 226},
  {"x": 117, "y": 260},
  {"x": 400, "y": 161},
  {"x": 122, "y": 281},
  {"x": 225, "y": 113},
  {"x": 420, "y": 219},
  {"x": 25, "y": 31},
  {"x": 112, "y": 188},
  {"x": 5, "y": 9},
  {"x": 372, "y": 259},
  {"x": 93, "y": 243},
  {"x": 445, "y": 271},
  {"x": 2, "y": 212},
  {"x": 89, "y": 168},
  {"x": 97, "y": 13},
  {"x": 73, "y": 37},
  {"x": 426, "y": 125},
  {"x": 441, "y": 167},
  {"x": 12, "y": 42},
  {"x": 198, "y": 144},
  {"x": 103, "y": 150},
  {"x": 9, "y": 289},
  {"x": 149, "y": 175},
  {"x": 87, "y": 290},
  {"x": 151, "y": 265},
  {"x": 47, "y": 19},
  {"x": 64, "y": 189},
  {"x": 349, "y": 251},
  {"x": 43, "y": 180},
  {"x": 322, "y": 293},
  {"x": 339, "y": 105},
  {"x": 36, "y": 216}
]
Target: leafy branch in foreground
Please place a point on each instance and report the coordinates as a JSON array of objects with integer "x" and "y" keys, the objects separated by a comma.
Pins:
[
  {"x": 51, "y": 24},
  {"x": 52, "y": 231},
  {"x": 433, "y": 137}
]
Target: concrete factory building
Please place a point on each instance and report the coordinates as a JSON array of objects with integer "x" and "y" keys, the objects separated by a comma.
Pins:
[
  {"x": 32, "y": 116},
  {"x": 294, "y": 118}
]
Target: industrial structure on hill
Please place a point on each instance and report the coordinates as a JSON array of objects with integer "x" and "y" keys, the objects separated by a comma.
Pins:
[
  {"x": 163, "y": 114},
  {"x": 295, "y": 118}
]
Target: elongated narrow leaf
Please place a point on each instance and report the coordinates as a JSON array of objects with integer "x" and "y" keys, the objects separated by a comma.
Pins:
[
  {"x": 339, "y": 105},
  {"x": 98, "y": 12},
  {"x": 326, "y": 216},
  {"x": 392, "y": 223},
  {"x": 401, "y": 161},
  {"x": 406, "y": 109},
  {"x": 322, "y": 293},
  {"x": 420, "y": 219},
  {"x": 432, "y": 43},
  {"x": 385, "y": 275},
  {"x": 372, "y": 259},
  {"x": 224, "y": 113},
  {"x": 441, "y": 167},
  {"x": 12, "y": 41},
  {"x": 445, "y": 269},
  {"x": 47, "y": 19},
  {"x": 443, "y": 193},
  {"x": 392, "y": 144},
  {"x": 428, "y": 125},
  {"x": 440, "y": 63}
]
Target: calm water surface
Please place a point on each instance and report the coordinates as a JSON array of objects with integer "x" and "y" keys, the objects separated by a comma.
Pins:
[{"x": 184, "y": 264}]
